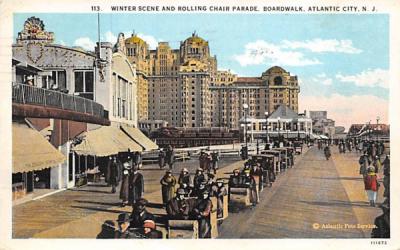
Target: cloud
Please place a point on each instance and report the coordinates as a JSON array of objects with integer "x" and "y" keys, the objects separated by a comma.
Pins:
[
  {"x": 85, "y": 43},
  {"x": 368, "y": 78},
  {"x": 262, "y": 52},
  {"x": 346, "y": 110},
  {"x": 322, "y": 79},
  {"x": 110, "y": 37},
  {"x": 62, "y": 43},
  {"x": 319, "y": 46},
  {"x": 150, "y": 40}
]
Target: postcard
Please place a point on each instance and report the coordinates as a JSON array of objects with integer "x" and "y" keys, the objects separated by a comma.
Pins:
[{"x": 236, "y": 125}]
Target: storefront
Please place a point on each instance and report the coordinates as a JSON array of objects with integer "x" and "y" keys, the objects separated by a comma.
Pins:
[{"x": 33, "y": 156}]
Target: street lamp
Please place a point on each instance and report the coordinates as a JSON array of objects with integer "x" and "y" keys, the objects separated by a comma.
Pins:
[
  {"x": 245, "y": 107},
  {"x": 279, "y": 128},
  {"x": 377, "y": 128},
  {"x": 266, "y": 125}
]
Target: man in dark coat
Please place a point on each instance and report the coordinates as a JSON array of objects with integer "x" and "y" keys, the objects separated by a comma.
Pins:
[
  {"x": 382, "y": 222},
  {"x": 170, "y": 157},
  {"x": 114, "y": 174},
  {"x": 221, "y": 192},
  {"x": 124, "y": 231},
  {"x": 248, "y": 181},
  {"x": 178, "y": 207},
  {"x": 161, "y": 159},
  {"x": 202, "y": 213},
  {"x": 184, "y": 181},
  {"x": 214, "y": 161},
  {"x": 136, "y": 185},
  {"x": 199, "y": 177},
  {"x": 124, "y": 191},
  {"x": 140, "y": 214}
]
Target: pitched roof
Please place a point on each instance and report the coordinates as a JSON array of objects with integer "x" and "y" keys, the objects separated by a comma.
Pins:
[{"x": 283, "y": 112}]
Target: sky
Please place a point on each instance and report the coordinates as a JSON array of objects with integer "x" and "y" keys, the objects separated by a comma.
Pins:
[{"x": 342, "y": 61}]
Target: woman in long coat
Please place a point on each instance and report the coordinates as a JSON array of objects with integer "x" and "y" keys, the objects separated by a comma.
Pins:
[
  {"x": 371, "y": 185},
  {"x": 168, "y": 183},
  {"x": 124, "y": 191},
  {"x": 136, "y": 185}
]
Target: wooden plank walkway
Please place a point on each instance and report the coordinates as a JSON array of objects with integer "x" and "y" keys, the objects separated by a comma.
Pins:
[
  {"x": 310, "y": 193},
  {"x": 34, "y": 217}
]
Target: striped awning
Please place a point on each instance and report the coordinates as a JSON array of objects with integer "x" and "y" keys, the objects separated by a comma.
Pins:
[
  {"x": 137, "y": 135},
  {"x": 31, "y": 151},
  {"x": 105, "y": 141}
]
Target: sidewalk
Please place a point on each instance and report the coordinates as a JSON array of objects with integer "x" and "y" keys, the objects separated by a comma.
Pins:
[{"x": 88, "y": 225}]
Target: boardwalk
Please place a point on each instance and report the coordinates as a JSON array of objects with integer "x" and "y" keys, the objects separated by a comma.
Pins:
[
  {"x": 315, "y": 191},
  {"x": 35, "y": 217}
]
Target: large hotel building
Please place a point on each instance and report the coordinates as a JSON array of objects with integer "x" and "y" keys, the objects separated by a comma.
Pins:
[{"x": 184, "y": 87}]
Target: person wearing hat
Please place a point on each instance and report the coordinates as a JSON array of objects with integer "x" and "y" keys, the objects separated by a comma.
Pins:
[
  {"x": 220, "y": 193},
  {"x": 124, "y": 231},
  {"x": 170, "y": 156},
  {"x": 235, "y": 180},
  {"x": 136, "y": 185},
  {"x": 29, "y": 80},
  {"x": 124, "y": 190},
  {"x": 178, "y": 207},
  {"x": 249, "y": 182},
  {"x": 198, "y": 191},
  {"x": 161, "y": 159},
  {"x": 168, "y": 183},
  {"x": 371, "y": 185},
  {"x": 377, "y": 163},
  {"x": 140, "y": 214},
  {"x": 364, "y": 162},
  {"x": 150, "y": 231},
  {"x": 199, "y": 177},
  {"x": 113, "y": 173},
  {"x": 214, "y": 161},
  {"x": 386, "y": 176},
  {"x": 201, "y": 212},
  {"x": 184, "y": 180},
  {"x": 382, "y": 222}
]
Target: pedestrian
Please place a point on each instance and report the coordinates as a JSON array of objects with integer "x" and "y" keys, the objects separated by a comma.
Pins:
[
  {"x": 138, "y": 159},
  {"x": 371, "y": 185},
  {"x": 161, "y": 159},
  {"x": 202, "y": 160},
  {"x": 114, "y": 173},
  {"x": 124, "y": 191},
  {"x": 136, "y": 185},
  {"x": 386, "y": 176},
  {"x": 214, "y": 161},
  {"x": 178, "y": 207},
  {"x": 221, "y": 193},
  {"x": 327, "y": 152},
  {"x": 170, "y": 157},
  {"x": 168, "y": 183},
  {"x": 202, "y": 213},
  {"x": 382, "y": 222},
  {"x": 364, "y": 163},
  {"x": 140, "y": 214},
  {"x": 377, "y": 164}
]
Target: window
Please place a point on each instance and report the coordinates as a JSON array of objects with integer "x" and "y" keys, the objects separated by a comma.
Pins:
[
  {"x": 57, "y": 80},
  {"x": 84, "y": 84}
]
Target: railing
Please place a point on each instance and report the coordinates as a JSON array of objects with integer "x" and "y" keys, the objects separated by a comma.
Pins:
[{"x": 25, "y": 94}]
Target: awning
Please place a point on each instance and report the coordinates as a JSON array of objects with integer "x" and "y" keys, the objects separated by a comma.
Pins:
[
  {"x": 31, "y": 151},
  {"x": 105, "y": 141},
  {"x": 140, "y": 138}
]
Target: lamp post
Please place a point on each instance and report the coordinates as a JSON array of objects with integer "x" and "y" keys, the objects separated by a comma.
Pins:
[
  {"x": 279, "y": 129},
  {"x": 287, "y": 131},
  {"x": 266, "y": 125},
  {"x": 245, "y": 107},
  {"x": 377, "y": 128}
]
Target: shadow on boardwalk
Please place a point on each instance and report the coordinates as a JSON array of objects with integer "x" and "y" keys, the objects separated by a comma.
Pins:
[{"x": 338, "y": 203}]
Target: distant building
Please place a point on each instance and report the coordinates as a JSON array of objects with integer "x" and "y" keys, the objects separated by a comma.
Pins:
[
  {"x": 152, "y": 125},
  {"x": 322, "y": 125}
]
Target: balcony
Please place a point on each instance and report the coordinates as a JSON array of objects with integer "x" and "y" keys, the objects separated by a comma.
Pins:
[{"x": 30, "y": 101}]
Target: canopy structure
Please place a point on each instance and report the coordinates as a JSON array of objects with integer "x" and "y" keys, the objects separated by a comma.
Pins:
[
  {"x": 137, "y": 135},
  {"x": 106, "y": 141},
  {"x": 31, "y": 151}
]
